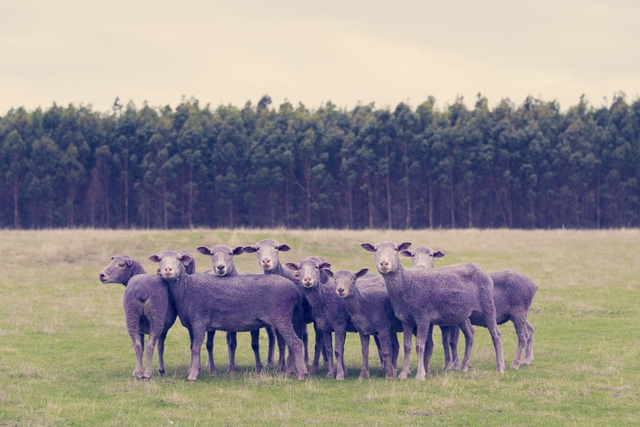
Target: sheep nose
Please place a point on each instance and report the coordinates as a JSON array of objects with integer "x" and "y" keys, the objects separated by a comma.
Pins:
[
  {"x": 168, "y": 269},
  {"x": 102, "y": 276},
  {"x": 266, "y": 260},
  {"x": 340, "y": 291},
  {"x": 384, "y": 264},
  {"x": 220, "y": 267}
]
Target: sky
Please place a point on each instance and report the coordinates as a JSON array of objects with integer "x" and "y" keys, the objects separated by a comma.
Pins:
[{"x": 311, "y": 52}]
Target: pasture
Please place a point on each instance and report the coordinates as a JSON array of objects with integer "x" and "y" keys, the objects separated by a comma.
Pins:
[{"x": 66, "y": 358}]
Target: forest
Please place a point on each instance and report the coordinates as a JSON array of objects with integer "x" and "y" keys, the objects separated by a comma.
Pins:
[{"x": 522, "y": 166}]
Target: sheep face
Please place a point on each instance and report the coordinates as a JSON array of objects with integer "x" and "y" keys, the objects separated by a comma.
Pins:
[
  {"x": 309, "y": 271},
  {"x": 386, "y": 255},
  {"x": 118, "y": 271},
  {"x": 267, "y": 250},
  {"x": 346, "y": 281},
  {"x": 422, "y": 257},
  {"x": 170, "y": 263},
  {"x": 221, "y": 258}
]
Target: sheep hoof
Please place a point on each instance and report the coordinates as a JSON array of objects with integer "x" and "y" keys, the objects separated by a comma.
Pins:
[
  {"x": 364, "y": 375},
  {"x": 340, "y": 377},
  {"x": 302, "y": 376},
  {"x": 162, "y": 372},
  {"x": 329, "y": 375},
  {"x": 314, "y": 370},
  {"x": 403, "y": 376}
]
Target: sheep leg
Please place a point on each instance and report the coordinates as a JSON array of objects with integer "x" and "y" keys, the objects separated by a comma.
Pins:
[
  {"x": 364, "y": 345},
  {"x": 520, "y": 326},
  {"x": 454, "y": 335},
  {"x": 138, "y": 346},
  {"x": 317, "y": 349},
  {"x": 305, "y": 343},
  {"x": 196, "y": 344},
  {"x": 161, "y": 369},
  {"x": 232, "y": 344},
  {"x": 422, "y": 334},
  {"x": 281, "y": 352},
  {"x": 328, "y": 347},
  {"x": 467, "y": 331},
  {"x": 255, "y": 346},
  {"x": 408, "y": 335},
  {"x": 151, "y": 344},
  {"x": 380, "y": 358},
  {"x": 271, "y": 349},
  {"x": 395, "y": 350},
  {"x": 528, "y": 358},
  {"x": 428, "y": 352},
  {"x": 210, "y": 362},
  {"x": 339, "y": 352},
  {"x": 284, "y": 329},
  {"x": 386, "y": 349},
  {"x": 445, "y": 345},
  {"x": 496, "y": 337}
]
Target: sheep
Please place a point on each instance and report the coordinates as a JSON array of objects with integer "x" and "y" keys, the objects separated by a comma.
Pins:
[
  {"x": 269, "y": 260},
  {"x": 147, "y": 306},
  {"x": 423, "y": 257},
  {"x": 369, "y": 306},
  {"x": 328, "y": 310},
  {"x": 512, "y": 296},
  {"x": 241, "y": 303},
  {"x": 223, "y": 266},
  {"x": 443, "y": 296}
]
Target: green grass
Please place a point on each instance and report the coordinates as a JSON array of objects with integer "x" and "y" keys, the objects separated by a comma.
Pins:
[{"x": 66, "y": 358}]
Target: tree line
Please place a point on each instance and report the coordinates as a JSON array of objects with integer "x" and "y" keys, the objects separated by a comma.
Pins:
[{"x": 524, "y": 166}]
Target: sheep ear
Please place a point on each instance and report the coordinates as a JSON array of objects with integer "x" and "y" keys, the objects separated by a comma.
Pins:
[
  {"x": 361, "y": 272},
  {"x": 328, "y": 272},
  {"x": 368, "y": 247},
  {"x": 291, "y": 266},
  {"x": 284, "y": 248},
  {"x": 238, "y": 250},
  {"x": 438, "y": 254},
  {"x": 406, "y": 253},
  {"x": 403, "y": 246},
  {"x": 249, "y": 249},
  {"x": 154, "y": 258},
  {"x": 129, "y": 262},
  {"x": 186, "y": 259},
  {"x": 203, "y": 250},
  {"x": 324, "y": 265}
]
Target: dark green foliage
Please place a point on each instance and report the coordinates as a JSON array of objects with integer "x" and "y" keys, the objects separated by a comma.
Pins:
[{"x": 527, "y": 166}]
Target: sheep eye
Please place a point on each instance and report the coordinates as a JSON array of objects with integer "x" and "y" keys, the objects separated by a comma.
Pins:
[{"x": 121, "y": 264}]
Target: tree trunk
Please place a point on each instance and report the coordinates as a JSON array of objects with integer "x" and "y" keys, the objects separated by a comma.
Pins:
[{"x": 16, "y": 208}]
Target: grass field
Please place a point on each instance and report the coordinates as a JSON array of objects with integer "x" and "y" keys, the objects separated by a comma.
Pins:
[{"x": 66, "y": 358}]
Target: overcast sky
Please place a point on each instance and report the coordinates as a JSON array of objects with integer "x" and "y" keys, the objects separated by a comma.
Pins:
[{"x": 344, "y": 51}]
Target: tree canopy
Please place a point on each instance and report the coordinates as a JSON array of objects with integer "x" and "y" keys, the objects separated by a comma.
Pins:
[{"x": 526, "y": 166}]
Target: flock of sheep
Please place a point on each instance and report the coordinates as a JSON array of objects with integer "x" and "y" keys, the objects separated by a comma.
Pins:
[{"x": 288, "y": 297}]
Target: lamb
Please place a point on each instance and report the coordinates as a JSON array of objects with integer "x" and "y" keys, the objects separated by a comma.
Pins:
[
  {"x": 444, "y": 296},
  {"x": 369, "y": 306},
  {"x": 147, "y": 306},
  {"x": 268, "y": 257},
  {"x": 223, "y": 266},
  {"x": 512, "y": 296},
  {"x": 205, "y": 302}
]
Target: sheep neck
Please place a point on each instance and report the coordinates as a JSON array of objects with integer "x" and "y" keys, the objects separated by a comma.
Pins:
[
  {"x": 394, "y": 281},
  {"x": 281, "y": 271},
  {"x": 137, "y": 269}
]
